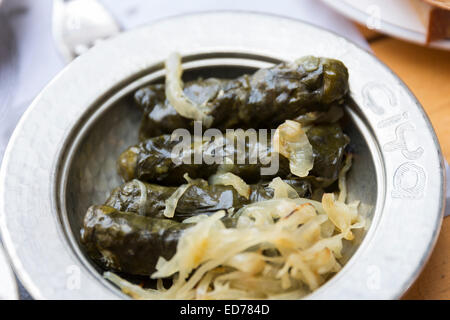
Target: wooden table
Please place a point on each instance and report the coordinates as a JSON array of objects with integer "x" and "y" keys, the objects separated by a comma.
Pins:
[{"x": 427, "y": 73}]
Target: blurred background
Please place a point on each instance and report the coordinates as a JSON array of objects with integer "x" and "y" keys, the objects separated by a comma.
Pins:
[{"x": 40, "y": 37}]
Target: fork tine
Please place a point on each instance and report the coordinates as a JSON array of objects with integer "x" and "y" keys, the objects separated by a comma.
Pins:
[{"x": 80, "y": 24}]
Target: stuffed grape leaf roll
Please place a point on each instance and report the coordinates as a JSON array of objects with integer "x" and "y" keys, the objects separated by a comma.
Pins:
[
  {"x": 199, "y": 198},
  {"x": 262, "y": 100},
  {"x": 130, "y": 243},
  {"x": 152, "y": 160}
]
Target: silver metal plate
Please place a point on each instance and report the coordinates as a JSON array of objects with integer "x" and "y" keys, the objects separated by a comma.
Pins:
[{"x": 61, "y": 156}]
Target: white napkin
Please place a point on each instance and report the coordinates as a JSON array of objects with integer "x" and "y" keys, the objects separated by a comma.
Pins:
[{"x": 132, "y": 13}]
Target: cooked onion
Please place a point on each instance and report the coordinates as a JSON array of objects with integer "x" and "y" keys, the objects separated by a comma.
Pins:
[
  {"x": 195, "y": 219},
  {"x": 342, "y": 215},
  {"x": 174, "y": 93},
  {"x": 172, "y": 201},
  {"x": 230, "y": 179},
  {"x": 248, "y": 262},
  {"x": 281, "y": 249},
  {"x": 143, "y": 196},
  {"x": 290, "y": 140},
  {"x": 282, "y": 190},
  {"x": 213, "y": 262}
]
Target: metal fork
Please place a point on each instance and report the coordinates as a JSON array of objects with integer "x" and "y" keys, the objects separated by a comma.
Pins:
[{"x": 79, "y": 24}]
